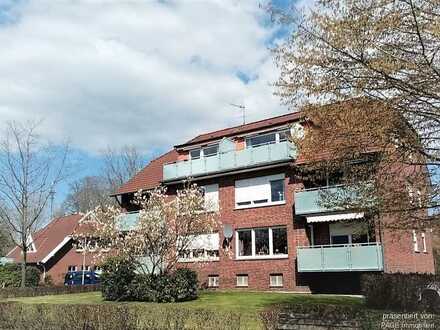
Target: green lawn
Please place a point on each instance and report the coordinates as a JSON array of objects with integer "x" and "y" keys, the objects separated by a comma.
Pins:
[{"x": 248, "y": 304}]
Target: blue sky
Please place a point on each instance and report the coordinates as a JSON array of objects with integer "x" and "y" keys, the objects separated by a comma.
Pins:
[{"x": 144, "y": 73}]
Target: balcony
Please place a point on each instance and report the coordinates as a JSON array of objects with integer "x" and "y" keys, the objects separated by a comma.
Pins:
[
  {"x": 340, "y": 258},
  {"x": 307, "y": 201},
  {"x": 230, "y": 160},
  {"x": 128, "y": 221}
]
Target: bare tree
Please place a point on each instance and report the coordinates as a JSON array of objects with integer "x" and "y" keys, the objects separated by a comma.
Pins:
[
  {"x": 120, "y": 165},
  {"x": 5, "y": 240},
  {"x": 85, "y": 194},
  {"x": 366, "y": 73},
  {"x": 29, "y": 170}
]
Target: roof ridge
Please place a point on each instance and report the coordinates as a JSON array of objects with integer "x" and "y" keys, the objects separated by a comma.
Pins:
[{"x": 243, "y": 125}]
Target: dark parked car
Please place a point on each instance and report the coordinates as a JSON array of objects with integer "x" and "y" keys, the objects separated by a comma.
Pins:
[{"x": 76, "y": 278}]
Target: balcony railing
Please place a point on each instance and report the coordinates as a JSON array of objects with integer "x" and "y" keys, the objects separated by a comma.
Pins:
[
  {"x": 230, "y": 160},
  {"x": 340, "y": 258},
  {"x": 308, "y": 201},
  {"x": 128, "y": 221}
]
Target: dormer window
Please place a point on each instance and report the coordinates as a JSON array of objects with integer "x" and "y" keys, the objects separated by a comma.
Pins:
[
  {"x": 267, "y": 138},
  {"x": 208, "y": 151}
]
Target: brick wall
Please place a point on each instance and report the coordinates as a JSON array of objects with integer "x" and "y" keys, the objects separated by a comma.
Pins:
[
  {"x": 58, "y": 265},
  {"x": 258, "y": 271}
]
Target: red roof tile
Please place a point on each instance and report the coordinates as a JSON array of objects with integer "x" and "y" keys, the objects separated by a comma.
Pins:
[
  {"x": 265, "y": 123},
  {"x": 150, "y": 176},
  {"x": 48, "y": 238}
]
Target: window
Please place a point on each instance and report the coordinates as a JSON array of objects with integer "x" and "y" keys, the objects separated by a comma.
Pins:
[
  {"x": 203, "y": 247},
  {"x": 424, "y": 242},
  {"x": 259, "y": 191},
  {"x": 415, "y": 243},
  {"x": 245, "y": 243},
  {"x": 195, "y": 154},
  {"x": 266, "y": 138},
  {"x": 85, "y": 268},
  {"x": 71, "y": 269},
  {"x": 260, "y": 140},
  {"x": 31, "y": 245},
  {"x": 279, "y": 237},
  {"x": 208, "y": 151},
  {"x": 242, "y": 280},
  {"x": 213, "y": 281},
  {"x": 277, "y": 190},
  {"x": 211, "y": 197},
  {"x": 349, "y": 233},
  {"x": 261, "y": 243},
  {"x": 276, "y": 280}
]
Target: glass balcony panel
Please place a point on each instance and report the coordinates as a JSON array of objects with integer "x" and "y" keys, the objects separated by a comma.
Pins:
[
  {"x": 128, "y": 221},
  {"x": 212, "y": 164},
  {"x": 197, "y": 166},
  {"x": 307, "y": 201},
  {"x": 230, "y": 160},
  {"x": 351, "y": 257}
]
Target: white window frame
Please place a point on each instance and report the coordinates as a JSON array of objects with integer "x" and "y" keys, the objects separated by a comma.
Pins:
[
  {"x": 206, "y": 247},
  {"x": 242, "y": 280},
  {"x": 271, "y": 255},
  {"x": 275, "y": 282},
  {"x": 256, "y": 182},
  {"x": 424, "y": 242},
  {"x": 213, "y": 281},
  {"x": 202, "y": 153},
  {"x": 211, "y": 197},
  {"x": 415, "y": 242},
  {"x": 277, "y": 138}
]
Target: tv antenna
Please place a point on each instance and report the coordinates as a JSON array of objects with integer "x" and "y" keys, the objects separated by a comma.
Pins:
[{"x": 243, "y": 110}]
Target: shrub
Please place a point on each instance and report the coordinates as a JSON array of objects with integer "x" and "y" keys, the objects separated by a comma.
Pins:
[
  {"x": 178, "y": 286},
  {"x": 119, "y": 282},
  {"x": 399, "y": 291},
  {"x": 112, "y": 317},
  {"x": 46, "y": 290},
  {"x": 116, "y": 278},
  {"x": 10, "y": 276}
]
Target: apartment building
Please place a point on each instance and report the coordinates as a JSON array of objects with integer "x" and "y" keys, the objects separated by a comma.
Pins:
[{"x": 278, "y": 235}]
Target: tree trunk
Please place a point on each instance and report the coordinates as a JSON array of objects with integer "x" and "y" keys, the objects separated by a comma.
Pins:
[{"x": 23, "y": 269}]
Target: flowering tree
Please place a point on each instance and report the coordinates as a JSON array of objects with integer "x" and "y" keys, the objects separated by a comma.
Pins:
[{"x": 165, "y": 227}]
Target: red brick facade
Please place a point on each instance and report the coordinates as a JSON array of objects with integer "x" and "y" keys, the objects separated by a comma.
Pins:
[{"x": 398, "y": 249}]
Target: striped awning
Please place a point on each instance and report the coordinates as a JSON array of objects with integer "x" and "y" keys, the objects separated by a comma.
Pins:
[{"x": 334, "y": 217}]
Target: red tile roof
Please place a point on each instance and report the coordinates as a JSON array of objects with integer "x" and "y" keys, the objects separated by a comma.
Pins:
[
  {"x": 151, "y": 176},
  {"x": 265, "y": 123},
  {"x": 48, "y": 238}
]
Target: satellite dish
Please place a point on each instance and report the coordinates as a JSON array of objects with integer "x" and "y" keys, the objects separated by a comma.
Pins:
[{"x": 227, "y": 231}]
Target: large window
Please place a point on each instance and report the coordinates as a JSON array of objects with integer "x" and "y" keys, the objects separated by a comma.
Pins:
[
  {"x": 208, "y": 151},
  {"x": 266, "y": 138},
  {"x": 211, "y": 197},
  {"x": 261, "y": 243},
  {"x": 260, "y": 191},
  {"x": 203, "y": 247},
  {"x": 245, "y": 243},
  {"x": 349, "y": 233}
]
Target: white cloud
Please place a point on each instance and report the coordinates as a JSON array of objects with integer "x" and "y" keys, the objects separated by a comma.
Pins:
[{"x": 147, "y": 73}]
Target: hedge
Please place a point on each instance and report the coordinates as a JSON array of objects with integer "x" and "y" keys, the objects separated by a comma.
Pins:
[
  {"x": 10, "y": 276},
  {"x": 17, "y": 316},
  {"x": 402, "y": 292},
  {"x": 45, "y": 291},
  {"x": 324, "y": 316}
]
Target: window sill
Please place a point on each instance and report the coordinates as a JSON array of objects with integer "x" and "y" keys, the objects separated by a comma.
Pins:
[
  {"x": 252, "y": 206},
  {"x": 281, "y": 256},
  {"x": 242, "y": 286},
  {"x": 276, "y": 286}
]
